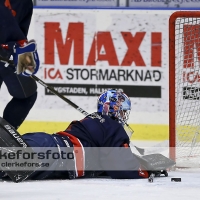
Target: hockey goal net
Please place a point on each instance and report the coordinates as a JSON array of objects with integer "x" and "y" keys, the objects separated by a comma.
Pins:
[{"x": 184, "y": 88}]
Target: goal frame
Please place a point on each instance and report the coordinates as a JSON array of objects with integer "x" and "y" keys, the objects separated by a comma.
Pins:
[{"x": 172, "y": 90}]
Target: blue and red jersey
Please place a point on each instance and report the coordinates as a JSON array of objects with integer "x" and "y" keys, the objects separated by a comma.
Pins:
[
  {"x": 94, "y": 132},
  {"x": 97, "y": 130}
]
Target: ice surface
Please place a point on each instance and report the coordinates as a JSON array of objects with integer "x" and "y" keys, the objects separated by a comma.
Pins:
[
  {"x": 109, "y": 189},
  {"x": 106, "y": 189}
]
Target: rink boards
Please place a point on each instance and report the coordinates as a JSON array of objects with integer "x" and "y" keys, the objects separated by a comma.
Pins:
[{"x": 84, "y": 51}]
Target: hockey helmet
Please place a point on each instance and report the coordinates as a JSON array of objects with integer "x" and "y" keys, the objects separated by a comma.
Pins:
[{"x": 116, "y": 104}]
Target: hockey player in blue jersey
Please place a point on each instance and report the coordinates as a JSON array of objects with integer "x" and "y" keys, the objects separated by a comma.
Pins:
[
  {"x": 104, "y": 128},
  {"x": 15, "y": 18},
  {"x": 99, "y": 141}
]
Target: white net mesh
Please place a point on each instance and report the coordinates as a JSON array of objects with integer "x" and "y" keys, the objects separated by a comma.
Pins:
[{"x": 187, "y": 84}]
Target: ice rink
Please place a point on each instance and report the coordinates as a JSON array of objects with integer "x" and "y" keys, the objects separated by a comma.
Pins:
[{"x": 108, "y": 189}]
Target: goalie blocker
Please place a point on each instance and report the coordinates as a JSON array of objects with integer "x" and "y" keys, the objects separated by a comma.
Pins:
[{"x": 10, "y": 139}]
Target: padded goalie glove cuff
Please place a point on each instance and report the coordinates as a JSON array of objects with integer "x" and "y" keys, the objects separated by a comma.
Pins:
[
  {"x": 143, "y": 173},
  {"x": 146, "y": 173},
  {"x": 26, "y": 58}
]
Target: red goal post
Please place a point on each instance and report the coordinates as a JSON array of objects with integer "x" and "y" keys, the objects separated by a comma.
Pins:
[{"x": 184, "y": 87}]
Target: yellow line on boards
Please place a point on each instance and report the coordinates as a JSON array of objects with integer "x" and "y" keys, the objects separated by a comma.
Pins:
[
  {"x": 141, "y": 131},
  {"x": 41, "y": 126},
  {"x": 150, "y": 132}
]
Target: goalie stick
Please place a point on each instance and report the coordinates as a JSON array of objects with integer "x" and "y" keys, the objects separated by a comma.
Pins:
[
  {"x": 140, "y": 150},
  {"x": 156, "y": 164}
]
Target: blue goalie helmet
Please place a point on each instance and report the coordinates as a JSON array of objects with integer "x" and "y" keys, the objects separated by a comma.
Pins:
[{"x": 115, "y": 104}]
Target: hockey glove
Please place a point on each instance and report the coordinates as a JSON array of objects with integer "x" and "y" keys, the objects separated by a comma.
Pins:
[{"x": 26, "y": 58}]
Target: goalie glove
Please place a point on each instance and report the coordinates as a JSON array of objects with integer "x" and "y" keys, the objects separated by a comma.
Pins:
[{"x": 26, "y": 58}]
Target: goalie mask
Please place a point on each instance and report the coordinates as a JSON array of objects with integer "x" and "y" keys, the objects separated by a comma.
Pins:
[{"x": 115, "y": 104}]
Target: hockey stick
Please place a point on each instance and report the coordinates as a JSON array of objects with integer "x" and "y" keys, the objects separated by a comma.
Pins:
[
  {"x": 140, "y": 150},
  {"x": 59, "y": 95}
]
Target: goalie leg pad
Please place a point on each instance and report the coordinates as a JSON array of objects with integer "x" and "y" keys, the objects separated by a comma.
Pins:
[{"x": 11, "y": 139}]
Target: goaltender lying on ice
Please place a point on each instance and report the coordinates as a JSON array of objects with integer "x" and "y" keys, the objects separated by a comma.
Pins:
[{"x": 94, "y": 146}]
